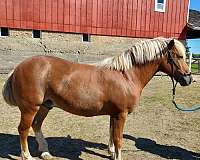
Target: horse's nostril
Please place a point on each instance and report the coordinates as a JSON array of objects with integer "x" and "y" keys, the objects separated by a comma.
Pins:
[{"x": 187, "y": 74}]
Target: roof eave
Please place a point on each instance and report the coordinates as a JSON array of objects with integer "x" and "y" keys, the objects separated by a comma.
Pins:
[{"x": 192, "y": 27}]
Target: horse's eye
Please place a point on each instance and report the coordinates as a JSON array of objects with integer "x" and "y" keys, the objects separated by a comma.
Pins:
[{"x": 180, "y": 57}]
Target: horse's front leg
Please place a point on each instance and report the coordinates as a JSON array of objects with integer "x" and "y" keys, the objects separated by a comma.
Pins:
[
  {"x": 118, "y": 126},
  {"x": 111, "y": 147}
]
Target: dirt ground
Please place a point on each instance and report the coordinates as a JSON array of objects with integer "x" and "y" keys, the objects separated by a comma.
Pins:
[{"x": 154, "y": 131}]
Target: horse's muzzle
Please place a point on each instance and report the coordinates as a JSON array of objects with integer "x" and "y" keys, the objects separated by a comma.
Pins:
[{"x": 185, "y": 80}]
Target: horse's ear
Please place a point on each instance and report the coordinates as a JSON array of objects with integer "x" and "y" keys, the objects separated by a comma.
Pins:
[{"x": 171, "y": 44}]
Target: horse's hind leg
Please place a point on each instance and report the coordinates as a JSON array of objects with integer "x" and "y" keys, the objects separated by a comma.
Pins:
[
  {"x": 37, "y": 123},
  {"x": 27, "y": 115}
]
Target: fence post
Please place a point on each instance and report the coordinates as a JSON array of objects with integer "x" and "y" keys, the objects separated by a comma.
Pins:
[
  {"x": 198, "y": 66},
  {"x": 190, "y": 61}
]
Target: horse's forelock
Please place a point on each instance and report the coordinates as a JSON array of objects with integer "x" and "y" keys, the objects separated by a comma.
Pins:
[{"x": 181, "y": 51}]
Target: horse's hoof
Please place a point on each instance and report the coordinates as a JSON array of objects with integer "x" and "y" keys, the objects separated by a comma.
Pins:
[
  {"x": 117, "y": 158},
  {"x": 112, "y": 154},
  {"x": 46, "y": 156},
  {"x": 25, "y": 157},
  {"x": 28, "y": 158}
]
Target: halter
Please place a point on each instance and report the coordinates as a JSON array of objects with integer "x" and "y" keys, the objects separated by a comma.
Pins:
[{"x": 171, "y": 61}]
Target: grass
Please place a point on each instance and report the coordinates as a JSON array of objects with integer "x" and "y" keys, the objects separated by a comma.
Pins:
[{"x": 194, "y": 68}]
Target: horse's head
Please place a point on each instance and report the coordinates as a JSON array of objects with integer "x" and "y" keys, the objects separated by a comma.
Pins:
[{"x": 174, "y": 63}]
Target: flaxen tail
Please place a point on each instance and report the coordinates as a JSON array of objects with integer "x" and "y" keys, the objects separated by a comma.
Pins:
[{"x": 7, "y": 91}]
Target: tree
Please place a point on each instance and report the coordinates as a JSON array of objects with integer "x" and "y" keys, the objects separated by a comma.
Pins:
[{"x": 187, "y": 47}]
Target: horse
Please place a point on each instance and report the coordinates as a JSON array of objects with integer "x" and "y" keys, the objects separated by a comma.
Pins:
[{"x": 112, "y": 87}]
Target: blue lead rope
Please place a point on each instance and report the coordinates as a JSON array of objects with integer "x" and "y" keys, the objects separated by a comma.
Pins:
[
  {"x": 180, "y": 107},
  {"x": 184, "y": 109}
]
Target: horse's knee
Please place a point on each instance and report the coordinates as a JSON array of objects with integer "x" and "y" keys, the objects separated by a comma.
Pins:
[{"x": 22, "y": 129}]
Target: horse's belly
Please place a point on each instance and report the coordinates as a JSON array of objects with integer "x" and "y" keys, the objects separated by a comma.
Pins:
[
  {"x": 88, "y": 100},
  {"x": 83, "y": 106},
  {"x": 83, "y": 109}
]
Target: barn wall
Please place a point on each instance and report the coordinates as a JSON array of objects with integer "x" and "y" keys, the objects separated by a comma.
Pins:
[{"x": 132, "y": 18}]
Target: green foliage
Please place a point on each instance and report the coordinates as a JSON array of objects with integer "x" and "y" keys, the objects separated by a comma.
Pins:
[
  {"x": 187, "y": 47},
  {"x": 196, "y": 55}
]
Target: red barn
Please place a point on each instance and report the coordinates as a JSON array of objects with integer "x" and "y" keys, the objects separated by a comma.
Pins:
[{"x": 129, "y": 18}]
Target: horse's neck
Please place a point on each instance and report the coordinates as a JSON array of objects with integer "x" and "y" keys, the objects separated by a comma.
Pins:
[{"x": 142, "y": 74}]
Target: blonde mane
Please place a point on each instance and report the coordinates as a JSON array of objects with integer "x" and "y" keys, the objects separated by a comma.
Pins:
[{"x": 140, "y": 53}]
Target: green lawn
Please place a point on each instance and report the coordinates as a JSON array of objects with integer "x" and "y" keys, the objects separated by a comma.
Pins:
[{"x": 194, "y": 68}]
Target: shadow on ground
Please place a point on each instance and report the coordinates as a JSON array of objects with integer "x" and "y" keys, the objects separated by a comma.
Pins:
[
  {"x": 66, "y": 147},
  {"x": 168, "y": 152},
  {"x": 62, "y": 147}
]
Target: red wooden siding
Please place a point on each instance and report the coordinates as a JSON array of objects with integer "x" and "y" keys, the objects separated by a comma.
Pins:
[{"x": 131, "y": 18}]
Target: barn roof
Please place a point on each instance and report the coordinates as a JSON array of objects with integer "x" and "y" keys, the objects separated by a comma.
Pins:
[{"x": 193, "y": 26}]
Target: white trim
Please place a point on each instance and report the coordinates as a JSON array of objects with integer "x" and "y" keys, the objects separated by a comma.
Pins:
[
  {"x": 188, "y": 11},
  {"x": 158, "y": 9}
]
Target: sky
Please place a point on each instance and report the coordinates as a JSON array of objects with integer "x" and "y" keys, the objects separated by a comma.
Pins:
[
  {"x": 195, "y": 4},
  {"x": 195, "y": 43}
]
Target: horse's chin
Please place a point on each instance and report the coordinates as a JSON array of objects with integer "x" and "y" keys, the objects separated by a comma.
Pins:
[{"x": 185, "y": 80}]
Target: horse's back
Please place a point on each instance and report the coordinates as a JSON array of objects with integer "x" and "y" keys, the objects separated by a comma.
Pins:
[{"x": 40, "y": 65}]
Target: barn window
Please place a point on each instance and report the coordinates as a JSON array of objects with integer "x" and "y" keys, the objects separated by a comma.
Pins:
[
  {"x": 4, "y": 31},
  {"x": 86, "y": 38},
  {"x": 160, "y": 5},
  {"x": 36, "y": 34}
]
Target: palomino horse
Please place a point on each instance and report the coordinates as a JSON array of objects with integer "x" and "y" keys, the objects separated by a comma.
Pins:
[{"x": 110, "y": 87}]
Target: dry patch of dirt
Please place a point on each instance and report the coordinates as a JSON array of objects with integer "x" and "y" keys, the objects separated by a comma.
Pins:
[{"x": 154, "y": 131}]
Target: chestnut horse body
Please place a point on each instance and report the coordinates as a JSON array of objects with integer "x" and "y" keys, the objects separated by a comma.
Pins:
[{"x": 110, "y": 87}]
